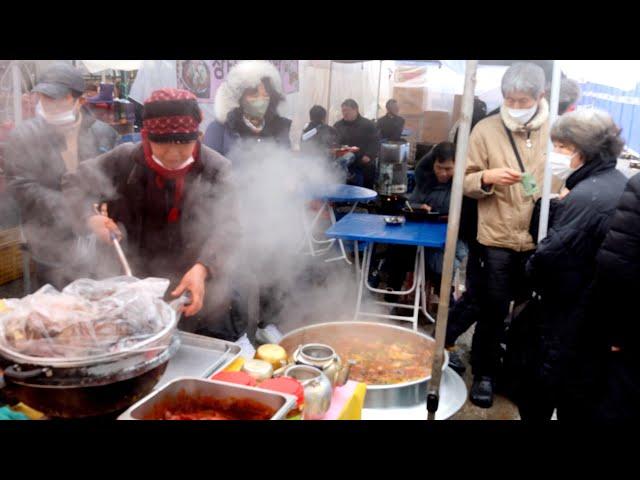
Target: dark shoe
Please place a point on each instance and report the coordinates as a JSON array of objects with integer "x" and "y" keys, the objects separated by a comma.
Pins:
[
  {"x": 456, "y": 363},
  {"x": 481, "y": 393}
]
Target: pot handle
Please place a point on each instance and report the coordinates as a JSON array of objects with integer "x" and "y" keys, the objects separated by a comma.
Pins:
[{"x": 14, "y": 372}]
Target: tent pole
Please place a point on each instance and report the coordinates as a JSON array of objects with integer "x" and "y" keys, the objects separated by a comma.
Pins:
[
  {"x": 546, "y": 187},
  {"x": 16, "y": 77},
  {"x": 453, "y": 226},
  {"x": 329, "y": 92},
  {"x": 378, "y": 96}
]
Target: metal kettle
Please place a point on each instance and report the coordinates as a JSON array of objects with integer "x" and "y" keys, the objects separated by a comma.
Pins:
[
  {"x": 317, "y": 390},
  {"x": 324, "y": 358}
]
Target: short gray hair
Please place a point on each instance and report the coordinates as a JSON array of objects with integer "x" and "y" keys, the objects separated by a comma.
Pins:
[
  {"x": 525, "y": 78},
  {"x": 569, "y": 94},
  {"x": 593, "y": 132}
]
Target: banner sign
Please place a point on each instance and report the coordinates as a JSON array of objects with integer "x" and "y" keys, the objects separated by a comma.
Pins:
[{"x": 203, "y": 77}]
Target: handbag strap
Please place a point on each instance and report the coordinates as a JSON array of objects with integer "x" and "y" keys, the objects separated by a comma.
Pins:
[{"x": 515, "y": 148}]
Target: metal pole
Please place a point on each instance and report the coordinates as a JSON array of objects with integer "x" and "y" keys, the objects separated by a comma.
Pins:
[
  {"x": 455, "y": 208},
  {"x": 329, "y": 92},
  {"x": 17, "y": 93},
  {"x": 378, "y": 96},
  {"x": 546, "y": 187}
]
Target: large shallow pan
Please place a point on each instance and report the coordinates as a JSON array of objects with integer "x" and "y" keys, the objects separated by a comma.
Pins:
[{"x": 405, "y": 394}]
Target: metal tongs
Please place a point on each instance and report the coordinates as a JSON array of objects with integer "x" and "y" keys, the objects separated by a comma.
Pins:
[{"x": 116, "y": 244}]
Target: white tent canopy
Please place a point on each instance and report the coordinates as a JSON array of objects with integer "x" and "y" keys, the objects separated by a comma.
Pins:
[{"x": 97, "y": 66}]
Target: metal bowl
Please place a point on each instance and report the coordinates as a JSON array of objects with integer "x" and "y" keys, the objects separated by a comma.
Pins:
[{"x": 404, "y": 394}]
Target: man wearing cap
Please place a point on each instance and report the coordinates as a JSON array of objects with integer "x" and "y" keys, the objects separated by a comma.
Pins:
[
  {"x": 38, "y": 153},
  {"x": 171, "y": 202}
]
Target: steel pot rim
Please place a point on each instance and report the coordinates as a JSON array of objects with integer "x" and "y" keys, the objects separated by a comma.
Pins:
[{"x": 385, "y": 325}]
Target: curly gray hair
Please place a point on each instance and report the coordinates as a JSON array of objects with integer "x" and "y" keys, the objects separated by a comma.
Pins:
[
  {"x": 593, "y": 132},
  {"x": 525, "y": 78}
]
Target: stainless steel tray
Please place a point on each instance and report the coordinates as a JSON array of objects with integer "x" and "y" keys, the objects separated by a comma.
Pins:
[
  {"x": 199, "y": 356},
  {"x": 281, "y": 402}
]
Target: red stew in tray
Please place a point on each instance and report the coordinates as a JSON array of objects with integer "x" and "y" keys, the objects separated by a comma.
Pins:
[{"x": 185, "y": 407}]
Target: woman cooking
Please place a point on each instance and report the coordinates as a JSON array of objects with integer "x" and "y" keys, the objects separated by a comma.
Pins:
[{"x": 170, "y": 200}]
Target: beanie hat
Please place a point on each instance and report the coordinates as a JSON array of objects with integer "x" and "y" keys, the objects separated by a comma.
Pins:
[{"x": 171, "y": 115}]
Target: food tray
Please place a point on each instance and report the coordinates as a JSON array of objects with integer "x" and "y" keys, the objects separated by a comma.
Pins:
[
  {"x": 199, "y": 356},
  {"x": 281, "y": 402}
]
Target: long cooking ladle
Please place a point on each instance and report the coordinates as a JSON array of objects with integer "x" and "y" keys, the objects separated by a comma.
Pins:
[{"x": 116, "y": 245}]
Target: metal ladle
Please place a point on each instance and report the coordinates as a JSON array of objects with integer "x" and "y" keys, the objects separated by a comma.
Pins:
[{"x": 116, "y": 245}]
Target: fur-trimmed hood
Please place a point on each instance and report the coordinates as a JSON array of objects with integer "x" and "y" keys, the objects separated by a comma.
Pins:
[
  {"x": 244, "y": 75},
  {"x": 539, "y": 119}
]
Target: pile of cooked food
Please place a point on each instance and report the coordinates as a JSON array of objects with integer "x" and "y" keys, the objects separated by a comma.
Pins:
[{"x": 87, "y": 318}]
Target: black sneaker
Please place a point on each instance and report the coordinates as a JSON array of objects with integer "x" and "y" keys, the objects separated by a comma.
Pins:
[{"x": 481, "y": 393}]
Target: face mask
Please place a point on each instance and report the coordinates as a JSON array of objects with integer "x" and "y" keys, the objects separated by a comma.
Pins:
[
  {"x": 561, "y": 165},
  {"x": 256, "y": 108},
  {"x": 189, "y": 161},
  {"x": 522, "y": 115},
  {"x": 63, "y": 118}
]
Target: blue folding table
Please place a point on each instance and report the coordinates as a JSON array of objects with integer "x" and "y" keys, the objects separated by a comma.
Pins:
[
  {"x": 372, "y": 229},
  {"x": 329, "y": 194}
]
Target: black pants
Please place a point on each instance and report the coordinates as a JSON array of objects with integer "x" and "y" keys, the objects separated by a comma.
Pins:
[
  {"x": 621, "y": 400},
  {"x": 505, "y": 280},
  {"x": 466, "y": 311}
]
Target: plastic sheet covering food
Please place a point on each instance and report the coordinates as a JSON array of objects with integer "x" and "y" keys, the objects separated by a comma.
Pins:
[{"x": 88, "y": 318}]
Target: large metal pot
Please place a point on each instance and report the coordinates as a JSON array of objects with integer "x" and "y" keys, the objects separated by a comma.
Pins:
[
  {"x": 89, "y": 386},
  {"x": 406, "y": 394},
  {"x": 97, "y": 389}
]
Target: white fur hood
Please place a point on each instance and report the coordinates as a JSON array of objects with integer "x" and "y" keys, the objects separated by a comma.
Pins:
[
  {"x": 539, "y": 119},
  {"x": 244, "y": 75}
]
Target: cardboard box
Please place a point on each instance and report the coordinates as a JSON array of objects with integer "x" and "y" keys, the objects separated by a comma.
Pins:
[
  {"x": 412, "y": 101},
  {"x": 436, "y": 126}
]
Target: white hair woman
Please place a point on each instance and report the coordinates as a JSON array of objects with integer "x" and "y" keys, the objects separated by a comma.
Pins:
[{"x": 562, "y": 267}]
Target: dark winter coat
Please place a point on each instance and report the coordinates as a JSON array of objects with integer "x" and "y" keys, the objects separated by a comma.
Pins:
[
  {"x": 207, "y": 224},
  {"x": 390, "y": 127},
  {"x": 562, "y": 269},
  {"x": 360, "y": 133},
  {"x": 322, "y": 142},
  {"x": 222, "y": 137},
  {"x": 618, "y": 271},
  {"x": 435, "y": 194},
  {"x": 35, "y": 168}
]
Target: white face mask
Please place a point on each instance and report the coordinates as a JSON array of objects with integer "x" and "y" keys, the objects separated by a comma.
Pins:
[
  {"x": 522, "y": 115},
  {"x": 189, "y": 161},
  {"x": 561, "y": 165},
  {"x": 63, "y": 118}
]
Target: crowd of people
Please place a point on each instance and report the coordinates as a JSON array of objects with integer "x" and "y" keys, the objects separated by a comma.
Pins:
[{"x": 558, "y": 305}]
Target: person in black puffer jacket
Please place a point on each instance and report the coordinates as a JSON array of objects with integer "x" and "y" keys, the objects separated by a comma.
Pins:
[
  {"x": 562, "y": 269},
  {"x": 617, "y": 279}
]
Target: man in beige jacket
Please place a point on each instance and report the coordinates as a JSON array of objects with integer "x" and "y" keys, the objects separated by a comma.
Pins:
[{"x": 504, "y": 173}]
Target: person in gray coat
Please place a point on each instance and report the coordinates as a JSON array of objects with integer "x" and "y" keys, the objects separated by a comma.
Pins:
[{"x": 38, "y": 153}]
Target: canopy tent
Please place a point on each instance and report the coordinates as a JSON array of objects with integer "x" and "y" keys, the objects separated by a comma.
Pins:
[{"x": 97, "y": 66}]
